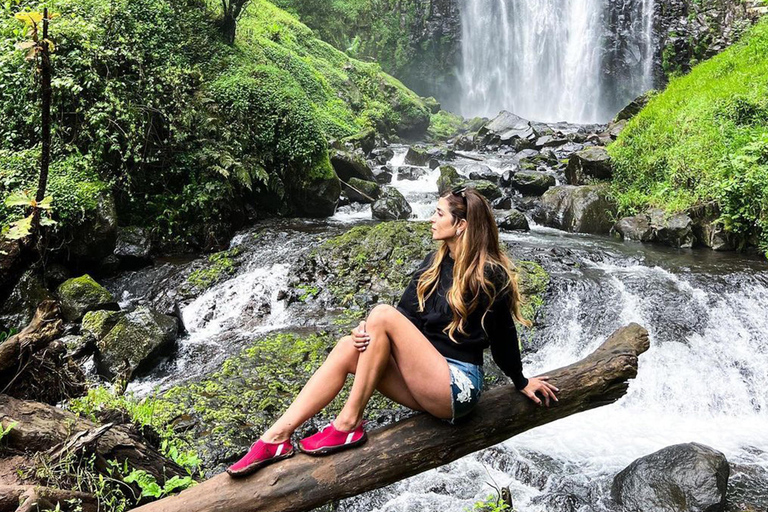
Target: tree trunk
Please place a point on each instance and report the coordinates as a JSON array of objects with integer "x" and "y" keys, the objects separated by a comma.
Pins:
[
  {"x": 418, "y": 443},
  {"x": 22, "y": 498},
  {"x": 40, "y": 427},
  {"x": 45, "y": 326}
]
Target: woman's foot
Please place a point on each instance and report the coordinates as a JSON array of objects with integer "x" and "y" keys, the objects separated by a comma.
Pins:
[
  {"x": 260, "y": 455},
  {"x": 330, "y": 440}
]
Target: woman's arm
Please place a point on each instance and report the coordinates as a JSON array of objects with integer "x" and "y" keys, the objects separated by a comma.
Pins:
[{"x": 505, "y": 347}]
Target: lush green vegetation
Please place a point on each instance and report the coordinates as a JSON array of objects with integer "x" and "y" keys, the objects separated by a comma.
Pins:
[
  {"x": 705, "y": 138},
  {"x": 185, "y": 130}
]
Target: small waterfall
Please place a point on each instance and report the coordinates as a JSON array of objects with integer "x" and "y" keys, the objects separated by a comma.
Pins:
[{"x": 552, "y": 60}]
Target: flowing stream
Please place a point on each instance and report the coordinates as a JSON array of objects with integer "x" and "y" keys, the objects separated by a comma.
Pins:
[
  {"x": 554, "y": 60},
  {"x": 703, "y": 379}
]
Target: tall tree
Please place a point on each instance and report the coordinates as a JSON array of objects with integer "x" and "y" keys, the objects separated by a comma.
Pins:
[{"x": 232, "y": 11}]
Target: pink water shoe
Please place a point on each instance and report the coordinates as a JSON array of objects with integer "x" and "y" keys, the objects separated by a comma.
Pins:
[
  {"x": 330, "y": 440},
  {"x": 260, "y": 455}
]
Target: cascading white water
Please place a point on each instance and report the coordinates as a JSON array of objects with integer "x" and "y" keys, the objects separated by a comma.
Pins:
[{"x": 555, "y": 60}]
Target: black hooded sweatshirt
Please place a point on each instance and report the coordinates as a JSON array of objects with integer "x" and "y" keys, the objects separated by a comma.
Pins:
[{"x": 499, "y": 333}]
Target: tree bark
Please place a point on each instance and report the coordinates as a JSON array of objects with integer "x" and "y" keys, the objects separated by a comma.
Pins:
[
  {"x": 39, "y": 427},
  {"x": 34, "y": 498},
  {"x": 45, "y": 326},
  {"x": 418, "y": 443}
]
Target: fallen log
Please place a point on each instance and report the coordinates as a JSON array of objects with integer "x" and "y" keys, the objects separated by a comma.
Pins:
[
  {"x": 420, "y": 442},
  {"x": 39, "y": 427},
  {"x": 45, "y": 327},
  {"x": 22, "y": 498}
]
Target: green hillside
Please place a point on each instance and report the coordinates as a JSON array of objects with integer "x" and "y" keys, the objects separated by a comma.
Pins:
[{"x": 704, "y": 139}]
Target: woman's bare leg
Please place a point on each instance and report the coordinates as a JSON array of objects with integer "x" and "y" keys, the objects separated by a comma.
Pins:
[
  {"x": 328, "y": 381},
  {"x": 424, "y": 371}
]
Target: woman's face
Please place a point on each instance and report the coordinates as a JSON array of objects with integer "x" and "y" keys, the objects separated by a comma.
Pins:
[{"x": 443, "y": 227}]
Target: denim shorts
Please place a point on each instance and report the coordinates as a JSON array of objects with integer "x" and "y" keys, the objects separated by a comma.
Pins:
[{"x": 466, "y": 387}]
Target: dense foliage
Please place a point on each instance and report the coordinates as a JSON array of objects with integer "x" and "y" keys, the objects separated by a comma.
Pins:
[
  {"x": 186, "y": 131},
  {"x": 704, "y": 139}
]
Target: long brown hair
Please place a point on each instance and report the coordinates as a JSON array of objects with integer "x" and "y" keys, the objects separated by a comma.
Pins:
[{"x": 478, "y": 252}]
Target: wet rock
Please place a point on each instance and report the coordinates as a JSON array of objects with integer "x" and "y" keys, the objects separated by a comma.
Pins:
[
  {"x": 485, "y": 188},
  {"x": 364, "y": 140},
  {"x": 566, "y": 150},
  {"x": 531, "y": 182},
  {"x": 410, "y": 173},
  {"x": 433, "y": 163},
  {"x": 55, "y": 274},
  {"x": 479, "y": 171},
  {"x": 502, "y": 203},
  {"x": 464, "y": 143},
  {"x": 391, "y": 205},
  {"x": 136, "y": 339},
  {"x": 449, "y": 179},
  {"x": 441, "y": 153},
  {"x": 382, "y": 155},
  {"x": 348, "y": 165},
  {"x": 579, "y": 209},
  {"x": 133, "y": 246},
  {"x": 709, "y": 232},
  {"x": 99, "y": 323},
  {"x": 550, "y": 141},
  {"x": 19, "y": 308},
  {"x": 514, "y": 220},
  {"x": 507, "y": 129},
  {"x": 589, "y": 164},
  {"x": 679, "y": 478},
  {"x": 614, "y": 129},
  {"x": 78, "y": 345},
  {"x": 383, "y": 174},
  {"x": 361, "y": 191},
  {"x": 416, "y": 156},
  {"x": 636, "y": 228},
  {"x": 506, "y": 176},
  {"x": 95, "y": 238},
  {"x": 633, "y": 108},
  {"x": 675, "y": 230},
  {"x": 82, "y": 294}
]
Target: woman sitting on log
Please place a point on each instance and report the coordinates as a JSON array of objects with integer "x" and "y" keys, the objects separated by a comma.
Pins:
[{"x": 427, "y": 353}]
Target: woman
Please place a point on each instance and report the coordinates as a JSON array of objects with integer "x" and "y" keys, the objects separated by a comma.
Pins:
[{"x": 425, "y": 354}]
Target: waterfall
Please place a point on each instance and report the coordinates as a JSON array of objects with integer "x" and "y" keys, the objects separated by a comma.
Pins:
[{"x": 555, "y": 60}]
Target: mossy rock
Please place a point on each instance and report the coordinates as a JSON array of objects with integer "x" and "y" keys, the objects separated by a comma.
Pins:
[
  {"x": 99, "y": 323},
  {"x": 225, "y": 412},
  {"x": 82, "y": 294},
  {"x": 19, "y": 308},
  {"x": 485, "y": 188},
  {"x": 370, "y": 190},
  {"x": 135, "y": 340},
  {"x": 391, "y": 205},
  {"x": 449, "y": 179}
]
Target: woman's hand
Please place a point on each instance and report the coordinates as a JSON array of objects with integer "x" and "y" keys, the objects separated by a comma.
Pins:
[
  {"x": 540, "y": 385},
  {"x": 360, "y": 338}
]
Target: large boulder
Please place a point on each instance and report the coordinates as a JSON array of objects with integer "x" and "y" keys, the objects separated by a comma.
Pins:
[
  {"x": 95, "y": 238},
  {"x": 348, "y": 165},
  {"x": 583, "y": 209},
  {"x": 383, "y": 174},
  {"x": 410, "y": 173},
  {"x": 361, "y": 191},
  {"x": 478, "y": 171},
  {"x": 637, "y": 227},
  {"x": 675, "y": 230},
  {"x": 589, "y": 164},
  {"x": 134, "y": 245},
  {"x": 708, "y": 231},
  {"x": 686, "y": 477},
  {"x": 19, "y": 308},
  {"x": 416, "y": 156},
  {"x": 382, "y": 155},
  {"x": 391, "y": 205},
  {"x": 136, "y": 339},
  {"x": 99, "y": 323},
  {"x": 487, "y": 189},
  {"x": 82, "y": 294},
  {"x": 317, "y": 191},
  {"x": 507, "y": 129},
  {"x": 449, "y": 179},
  {"x": 513, "y": 220},
  {"x": 531, "y": 182},
  {"x": 634, "y": 107}
]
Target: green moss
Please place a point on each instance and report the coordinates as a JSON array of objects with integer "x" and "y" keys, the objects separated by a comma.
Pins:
[
  {"x": 703, "y": 139},
  {"x": 220, "y": 265},
  {"x": 445, "y": 125}
]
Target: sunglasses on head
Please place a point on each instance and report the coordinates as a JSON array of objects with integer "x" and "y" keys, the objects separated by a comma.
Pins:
[{"x": 461, "y": 191}]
